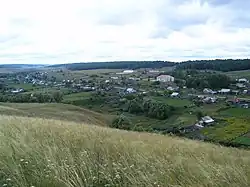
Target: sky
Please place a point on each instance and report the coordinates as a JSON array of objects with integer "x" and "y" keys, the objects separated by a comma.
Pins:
[{"x": 68, "y": 31}]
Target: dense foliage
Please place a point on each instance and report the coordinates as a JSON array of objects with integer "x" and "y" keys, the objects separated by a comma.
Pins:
[
  {"x": 149, "y": 108},
  {"x": 121, "y": 122},
  {"x": 218, "y": 65},
  {"x": 33, "y": 98},
  {"x": 117, "y": 65},
  {"x": 214, "y": 81},
  {"x": 200, "y": 80}
]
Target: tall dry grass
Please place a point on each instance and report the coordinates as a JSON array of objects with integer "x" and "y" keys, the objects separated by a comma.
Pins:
[{"x": 50, "y": 153}]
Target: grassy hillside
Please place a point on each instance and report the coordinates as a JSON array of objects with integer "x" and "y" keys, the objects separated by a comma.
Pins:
[
  {"x": 40, "y": 152},
  {"x": 55, "y": 111}
]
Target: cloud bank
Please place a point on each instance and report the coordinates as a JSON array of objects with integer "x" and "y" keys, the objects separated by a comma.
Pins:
[{"x": 65, "y": 31}]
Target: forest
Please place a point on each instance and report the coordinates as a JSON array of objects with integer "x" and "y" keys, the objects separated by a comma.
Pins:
[
  {"x": 217, "y": 65},
  {"x": 224, "y": 65}
]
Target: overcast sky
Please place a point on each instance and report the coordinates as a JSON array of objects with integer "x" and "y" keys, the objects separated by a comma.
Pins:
[{"x": 66, "y": 31}]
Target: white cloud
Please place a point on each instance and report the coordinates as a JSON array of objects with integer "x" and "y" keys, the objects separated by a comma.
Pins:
[{"x": 64, "y": 31}]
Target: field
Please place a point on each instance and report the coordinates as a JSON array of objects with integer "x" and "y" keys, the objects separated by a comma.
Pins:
[
  {"x": 26, "y": 87},
  {"x": 76, "y": 96},
  {"x": 236, "y": 112},
  {"x": 229, "y": 130},
  {"x": 67, "y": 74},
  {"x": 239, "y": 74},
  {"x": 41, "y": 152},
  {"x": 55, "y": 111},
  {"x": 173, "y": 102}
]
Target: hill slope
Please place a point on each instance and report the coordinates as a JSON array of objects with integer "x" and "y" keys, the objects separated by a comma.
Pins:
[
  {"x": 39, "y": 152},
  {"x": 55, "y": 111}
]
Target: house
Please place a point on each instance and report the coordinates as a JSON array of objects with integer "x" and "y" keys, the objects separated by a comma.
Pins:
[
  {"x": 134, "y": 78},
  {"x": 165, "y": 78},
  {"x": 240, "y": 85},
  {"x": 236, "y": 92},
  {"x": 128, "y": 71},
  {"x": 125, "y": 72},
  {"x": 130, "y": 90},
  {"x": 243, "y": 80},
  {"x": 245, "y": 91},
  {"x": 154, "y": 71},
  {"x": 207, "y": 120},
  {"x": 224, "y": 91},
  {"x": 209, "y": 100},
  {"x": 19, "y": 90},
  {"x": 245, "y": 105},
  {"x": 198, "y": 125},
  {"x": 170, "y": 88},
  {"x": 207, "y": 91},
  {"x": 175, "y": 94}
]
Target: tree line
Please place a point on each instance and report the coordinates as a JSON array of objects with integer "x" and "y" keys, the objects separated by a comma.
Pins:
[
  {"x": 149, "y": 108},
  {"x": 33, "y": 98},
  {"x": 217, "y": 65},
  {"x": 200, "y": 80}
]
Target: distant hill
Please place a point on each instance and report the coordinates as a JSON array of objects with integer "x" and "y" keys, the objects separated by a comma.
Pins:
[
  {"x": 21, "y": 66},
  {"x": 57, "y": 153},
  {"x": 115, "y": 65},
  {"x": 216, "y": 65}
]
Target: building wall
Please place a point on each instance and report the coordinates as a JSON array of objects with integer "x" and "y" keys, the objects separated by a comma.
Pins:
[{"x": 165, "y": 78}]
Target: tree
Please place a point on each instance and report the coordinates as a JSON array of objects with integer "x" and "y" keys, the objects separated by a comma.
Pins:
[
  {"x": 57, "y": 96},
  {"x": 199, "y": 115},
  {"x": 121, "y": 122}
]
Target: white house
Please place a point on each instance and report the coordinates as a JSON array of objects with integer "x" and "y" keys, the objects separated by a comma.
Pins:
[
  {"x": 126, "y": 72},
  {"x": 165, "y": 78},
  {"x": 225, "y": 91},
  {"x": 240, "y": 85},
  {"x": 130, "y": 90},
  {"x": 114, "y": 78},
  {"x": 170, "y": 88},
  {"x": 207, "y": 120},
  {"x": 245, "y": 91},
  {"x": 175, "y": 94},
  {"x": 17, "y": 90},
  {"x": 243, "y": 80}
]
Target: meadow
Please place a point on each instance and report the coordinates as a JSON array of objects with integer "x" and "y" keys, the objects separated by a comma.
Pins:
[{"x": 41, "y": 152}]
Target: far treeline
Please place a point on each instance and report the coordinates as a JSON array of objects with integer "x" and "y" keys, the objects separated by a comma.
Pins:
[{"x": 217, "y": 65}]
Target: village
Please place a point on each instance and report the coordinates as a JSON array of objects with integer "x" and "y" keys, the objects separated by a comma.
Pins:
[{"x": 116, "y": 87}]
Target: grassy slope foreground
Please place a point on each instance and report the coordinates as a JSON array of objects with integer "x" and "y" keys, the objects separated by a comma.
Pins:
[{"x": 39, "y": 152}]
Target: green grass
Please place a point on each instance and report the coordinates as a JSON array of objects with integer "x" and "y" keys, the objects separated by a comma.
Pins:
[
  {"x": 228, "y": 130},
  {"x": 55, "y": 111},
  {"x": 243, "y": 140},
  {"x": 26, "y": 87},
  {"x": 77, "y": 96},
  {"x": 67, "y": 74},
  {"x": 173, "y": 101},
  {"x": 39, "y": 152},
  {"x": 236, "y": 112}
]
